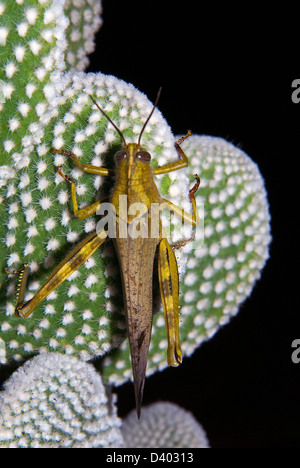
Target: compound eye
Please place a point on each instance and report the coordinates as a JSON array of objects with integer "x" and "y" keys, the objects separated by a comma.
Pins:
[
  {"x": 143, "y": 156},
  {"x": 120, "y": 155}
]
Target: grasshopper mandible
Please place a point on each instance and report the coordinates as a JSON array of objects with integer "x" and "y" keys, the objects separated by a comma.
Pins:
[{"x": 134, "y": 179}]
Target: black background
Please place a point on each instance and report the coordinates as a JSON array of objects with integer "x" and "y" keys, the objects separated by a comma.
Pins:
[{"x": 227, "y": 71}]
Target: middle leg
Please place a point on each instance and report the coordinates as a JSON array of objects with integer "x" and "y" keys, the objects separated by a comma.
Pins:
[{"x": 84, "y": 212}]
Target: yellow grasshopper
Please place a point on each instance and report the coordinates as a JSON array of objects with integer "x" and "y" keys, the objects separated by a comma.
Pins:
[{"x": 133, "y": 179}]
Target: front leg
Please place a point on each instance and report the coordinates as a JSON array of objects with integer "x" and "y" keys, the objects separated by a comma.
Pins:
[
  {"x": 89, "y": 168},
  {"x": 174, "y": 166}
]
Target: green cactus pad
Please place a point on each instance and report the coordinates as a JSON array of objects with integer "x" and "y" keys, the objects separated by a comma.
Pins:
[{"x": 45, "y": 106}]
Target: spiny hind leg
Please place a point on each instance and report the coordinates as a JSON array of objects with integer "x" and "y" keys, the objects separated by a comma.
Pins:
[
  {"x": 75, "y": 258},
  {"x": 22, "y": 281},
  {"x": 169, "y": 290}
]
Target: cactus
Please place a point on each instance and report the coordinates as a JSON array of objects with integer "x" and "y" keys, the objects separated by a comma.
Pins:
[
  {"x": 44, "y": 103},
  {"x": 163, "y": 425},
  {"x": 59, "y": 401},
  {"x": 56, "y": 400}
]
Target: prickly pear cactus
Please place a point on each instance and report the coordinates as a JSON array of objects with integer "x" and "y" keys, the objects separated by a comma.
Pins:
[
  {"x": 57, "y": 401},
  {"x": 163, "y": 425},
  {"x": 45, "y": 104}
]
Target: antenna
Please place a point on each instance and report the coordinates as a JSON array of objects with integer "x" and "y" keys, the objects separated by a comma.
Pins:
[
  {"x": 109, "y": 119},
  {"x": 150, "y": 115}
]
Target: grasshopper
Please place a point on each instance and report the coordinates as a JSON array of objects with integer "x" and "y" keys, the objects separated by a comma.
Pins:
[{"x": 134, "y": 179}]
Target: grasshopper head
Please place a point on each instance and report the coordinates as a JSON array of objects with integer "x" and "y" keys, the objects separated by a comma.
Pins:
[
  {"x": 132, "y": 152},
  {"x": 134, "y": 158}
]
